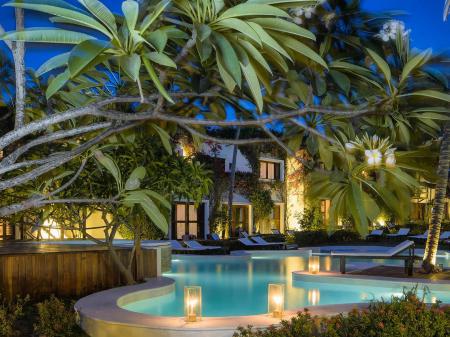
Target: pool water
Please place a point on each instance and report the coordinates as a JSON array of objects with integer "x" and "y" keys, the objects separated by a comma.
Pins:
[{"x": 238, "y": 287}]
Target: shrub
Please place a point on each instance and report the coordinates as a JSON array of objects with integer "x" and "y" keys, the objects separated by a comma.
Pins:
[
  {"x": 343, "y": 235},
  {"x": 311, "y": 219},
  {"x": 56, "y": 319},
  {"x": 307, "y": 238},
  {"x": 405, "y": 316},
  {"x": 10, "y": 313}
]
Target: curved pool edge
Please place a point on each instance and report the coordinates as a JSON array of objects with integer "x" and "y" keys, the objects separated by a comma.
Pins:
[{"x": 101, "y": 315}]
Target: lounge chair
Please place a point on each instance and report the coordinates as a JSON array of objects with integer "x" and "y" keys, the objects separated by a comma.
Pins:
[
  {"x": 423, "y": 236},
  {"x": 376, "y": 233},
  {"x": 176, "y": 245},
  {"x": 197, "y": 245},
  {"x": 290, "y": 232},
  {"x": 401, "y": 232},
  {"x": 444, "y": 236},
  {"x": 275, "y": 231},
  {"x": 215, "y": 236},
  {"x": 285, "y": 245},
  {"x": 392, "y": 253},
  {"x": 243, "y": 234},
  {"x": 249, "y": 243}
]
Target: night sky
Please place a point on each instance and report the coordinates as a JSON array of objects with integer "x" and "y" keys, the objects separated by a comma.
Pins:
[{"x": 424, "y": 18}]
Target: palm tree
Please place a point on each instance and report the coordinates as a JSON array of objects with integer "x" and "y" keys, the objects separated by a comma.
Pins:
[{"x": 429, "y": 258}]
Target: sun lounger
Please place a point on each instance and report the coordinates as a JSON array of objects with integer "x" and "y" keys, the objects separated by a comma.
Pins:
[
  {"x": 376, "y": 233},
  {"x": 392, "y": 253},
  {"x": 290, "y": 232},
  {"x": 423, "y": 236},
  {"x": 176, "y": 245},
  {"x": 401, "y": 232},
  {"x": 275, "y": 231},
  {"x": 215, "y": 236},
  {"x": 196, "y": 245},
  {"x": 243, "y": 234},
  {"x": 285, "y": 245},
  {"x": 444, "y": 236},
  {"x": 249, "y": 243}
]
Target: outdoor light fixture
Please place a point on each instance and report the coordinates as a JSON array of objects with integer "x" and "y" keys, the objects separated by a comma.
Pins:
[
  {"x": 276, "y": 299},
  {"x": 314, "y": 296},
  {"x": 314, "y": 264},
  {"x": 192, "y": 303}
]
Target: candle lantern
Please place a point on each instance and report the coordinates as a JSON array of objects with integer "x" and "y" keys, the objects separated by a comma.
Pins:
[
  {"x": 276, "y": 300},
  {"x": 314, "y": 264},
  {"x": 192, "y": 303}
]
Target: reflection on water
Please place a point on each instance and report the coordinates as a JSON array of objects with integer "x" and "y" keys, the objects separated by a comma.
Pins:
[
  {"x": 313, "y": 296},
  {"x": 239, "y": 286}
]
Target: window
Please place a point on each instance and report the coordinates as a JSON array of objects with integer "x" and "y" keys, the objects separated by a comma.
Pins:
[
  {"x": 269, "y": 170},
  {"x": 187, "y": 220},
  {"x": 6, "y": 231}
]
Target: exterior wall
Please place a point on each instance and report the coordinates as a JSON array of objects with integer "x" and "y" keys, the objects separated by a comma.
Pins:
[
  {"x": 70, "y": 273},
  {"x": 295, "y": 191},
  {"x": 226, "y": 152}
]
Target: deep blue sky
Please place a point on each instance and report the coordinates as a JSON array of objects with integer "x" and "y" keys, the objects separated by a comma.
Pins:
[{"x": 424, "y": 18}]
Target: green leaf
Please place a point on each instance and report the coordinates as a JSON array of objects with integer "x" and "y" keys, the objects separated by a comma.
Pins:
[
  {"x": 47, "y": 35},
  {"x": 255, "y": 54},
  {"x": 228, "y": 80},
  {"x": 325, "y": 153},
  {"x": 430, "y": 94},
  {"x": 161, "y": 59},
  {"x": 111, "y": 166},
  {"x": 204, "y": 32},
  {"x": 130, "y": 9},
  {"x": 155, "y": 79},
  {"x": 75, "y": 16},
  {"x": 355, "y": 203},
  {"x": 131, "y": 64},
  {"x": 228, "y": 57},
  {"x": 83, "y": 54},
  {"x": 382, "y": 65},
  {"x": 341, "y": 80},
  {"x": 269, "y": 40},
  {"x": 57, "y": 83},
  {"x": 302, "y": 48},
  {"x": 158, "y": 39},
  {"x": 156, "y": 196},
  {"x": 413, "y": 63},
  {"x": 284, "y": 26},
  {"x": 102, "y": 13},
  {"x": 55, "y": 62},
  {"x": 252, "y": 81},
  {"x": 252, "y": 10},
  {"x": 240, "y": 26},
  {"x": 134, "y": 180},
  {"x": 165, "y": 138},
  {"x": 147, "y": 204},
  {"x": 150, "y": 18}
]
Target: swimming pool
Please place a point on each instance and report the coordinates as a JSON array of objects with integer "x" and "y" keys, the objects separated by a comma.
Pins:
[{"x": 237, "y": 286}]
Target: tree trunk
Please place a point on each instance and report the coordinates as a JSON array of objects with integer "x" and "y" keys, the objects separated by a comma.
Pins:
[
  {"x": 231, "y": 187},
  {"x": 437, "y": 213},
  {"x": 19, "y": 67}
]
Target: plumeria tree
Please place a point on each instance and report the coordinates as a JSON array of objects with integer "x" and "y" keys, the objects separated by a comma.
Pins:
[{"x": 182, "y": 64}]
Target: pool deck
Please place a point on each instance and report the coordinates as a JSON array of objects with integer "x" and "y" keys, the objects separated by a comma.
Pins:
[{"x": 399, "y": 272}]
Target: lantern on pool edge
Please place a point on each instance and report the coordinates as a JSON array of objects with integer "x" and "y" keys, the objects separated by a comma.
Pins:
[
  {"x": 192, "y": 303},
  {"x": 314, "y": 264},
  {"x": 276, "y": 300}
]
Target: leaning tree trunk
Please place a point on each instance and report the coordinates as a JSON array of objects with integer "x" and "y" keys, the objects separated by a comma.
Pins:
[
  {"x": 437, "y": 213},
  {"x": 231, "y": 188},
  {"x": 18, "y": 51}
]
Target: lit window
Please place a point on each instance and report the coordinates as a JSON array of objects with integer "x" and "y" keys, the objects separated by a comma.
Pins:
[{"x": 269, "y": 170}]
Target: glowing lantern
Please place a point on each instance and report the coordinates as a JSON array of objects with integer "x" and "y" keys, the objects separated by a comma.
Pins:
[
  {"x": 276, "y": 300},
  {"x": 314, "y": 296},
  {"x": 314, "y": 264},
  {"x": 192, "y": 303}
]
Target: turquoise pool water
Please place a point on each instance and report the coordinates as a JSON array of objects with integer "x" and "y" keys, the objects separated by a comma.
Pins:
[{"x": 236, "y": 287}]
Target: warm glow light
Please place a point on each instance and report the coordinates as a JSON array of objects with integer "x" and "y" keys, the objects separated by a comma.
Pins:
[
  {"x": 314, "y": 296},
  {"x": 276, "y": 300},
  {"x": 192, "y": 303},
  {"x": 50, "y": 230},
  {"x": 327, "y": 262},
  {"x": 295, "y": 190},
  {"x": 314, "y": 264}
]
